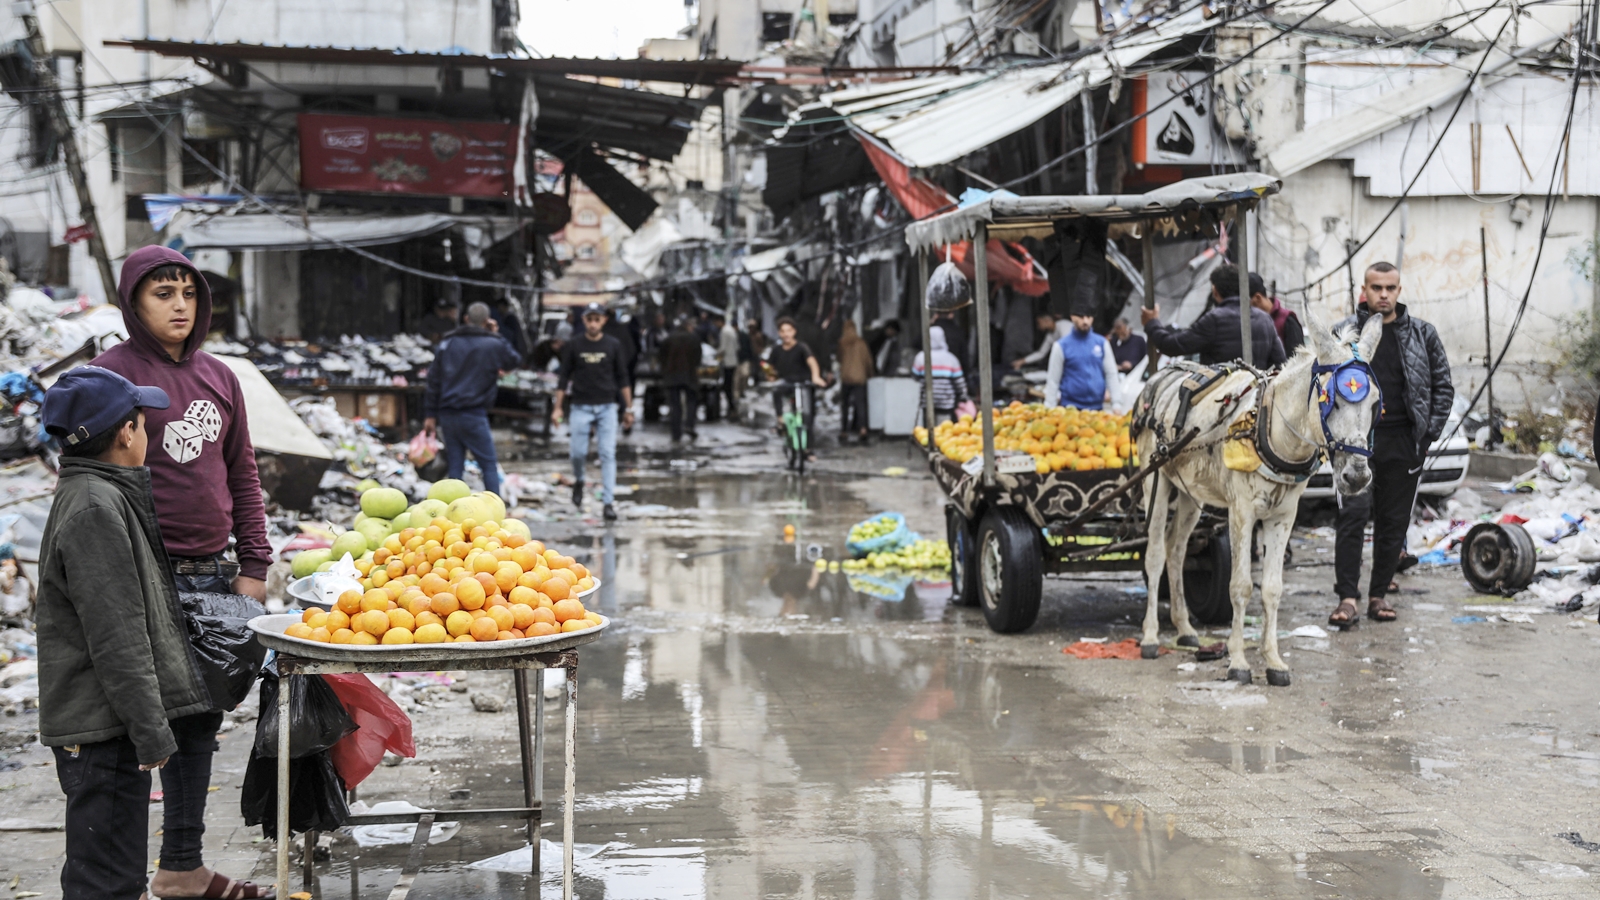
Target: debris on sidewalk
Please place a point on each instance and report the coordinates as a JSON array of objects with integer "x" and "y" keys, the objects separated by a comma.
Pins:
[{"x": 1087, "y": 649}]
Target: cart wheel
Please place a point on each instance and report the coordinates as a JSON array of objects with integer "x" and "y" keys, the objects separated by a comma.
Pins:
[
  {"x": 1205, "y": 582},
  {"x": 1498, "y": 559},
  {"x": 1010, "y": 570},
  {"x": 963, "y": 557}
]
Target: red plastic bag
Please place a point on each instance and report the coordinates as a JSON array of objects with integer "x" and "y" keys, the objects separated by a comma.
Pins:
[
  {"x": 423, "y": 448},
  {"x": 381, "y": 726}
]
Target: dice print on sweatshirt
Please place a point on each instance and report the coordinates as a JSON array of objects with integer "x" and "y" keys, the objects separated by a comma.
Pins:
[{"x": 184, "y": 438}]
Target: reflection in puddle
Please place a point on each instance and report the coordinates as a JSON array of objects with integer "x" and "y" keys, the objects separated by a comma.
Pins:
[{"x": 1245, "y": 759}]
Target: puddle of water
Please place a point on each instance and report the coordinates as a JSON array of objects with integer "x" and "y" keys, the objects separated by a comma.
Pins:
[
  {"x": 1245, "y": 759},
  {"x": 755, "y": 728}
]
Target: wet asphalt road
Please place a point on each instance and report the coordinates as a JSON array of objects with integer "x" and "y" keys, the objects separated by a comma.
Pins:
[{"x": 752, "y": 728}]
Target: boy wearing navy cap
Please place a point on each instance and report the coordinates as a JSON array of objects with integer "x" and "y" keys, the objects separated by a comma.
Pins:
[{"x": 114, "y": 661}]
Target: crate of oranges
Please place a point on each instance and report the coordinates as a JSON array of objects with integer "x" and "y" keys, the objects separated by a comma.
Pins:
[{"x": 450, "y": 583}]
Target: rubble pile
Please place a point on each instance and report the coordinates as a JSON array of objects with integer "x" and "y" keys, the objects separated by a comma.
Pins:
[{"x": 354, "y": 361}]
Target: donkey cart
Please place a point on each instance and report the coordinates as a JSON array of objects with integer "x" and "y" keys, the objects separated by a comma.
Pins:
[{"x": 1008, "y": 524}]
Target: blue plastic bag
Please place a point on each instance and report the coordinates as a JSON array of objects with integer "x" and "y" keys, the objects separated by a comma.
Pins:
[{"x": 901, "y": 536}]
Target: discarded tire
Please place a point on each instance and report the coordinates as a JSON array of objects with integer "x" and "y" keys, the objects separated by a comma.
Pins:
[
  {"x": 1010, "y": 570},
  {"x": 1498, "y": 559},
  {"x": 963, "y": 557}
]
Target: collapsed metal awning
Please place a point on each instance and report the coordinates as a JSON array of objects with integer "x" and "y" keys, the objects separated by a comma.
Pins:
[
  {"x": 939, "y": 119},
  {"x": 264, "y": 231},
  {"x": 1013, "y": 218}
]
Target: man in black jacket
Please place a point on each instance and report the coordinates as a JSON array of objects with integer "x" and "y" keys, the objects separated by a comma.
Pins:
[
  {"x": 462, "y": 381},
  {"x": 680, "y": 375},
  {"x": 1215, "y": 335},
  {"x": 1413, "y": 378},
  {"x": 594, "y": 368}
]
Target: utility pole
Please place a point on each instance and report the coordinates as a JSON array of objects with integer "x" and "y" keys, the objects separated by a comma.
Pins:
[{"x": 62, "y": 126}]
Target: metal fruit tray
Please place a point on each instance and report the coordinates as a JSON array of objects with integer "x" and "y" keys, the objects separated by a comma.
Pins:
[
  {"x": 300, "y": 590},
  {"x": 269, "y": 630}
]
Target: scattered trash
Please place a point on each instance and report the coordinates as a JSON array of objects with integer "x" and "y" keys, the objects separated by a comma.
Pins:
[
  {"x": 487, "y": 703},
  {"x": 1464, "y": 620},
  {"x": 1306, "y": 631},
  {"x": 1576, "y": 840},
  {"x": 520, "y": 860},
  {"x": 1128, "y": 649},
  {"x": 895, "y": 471},
  {"x": 25, "y": 825}
]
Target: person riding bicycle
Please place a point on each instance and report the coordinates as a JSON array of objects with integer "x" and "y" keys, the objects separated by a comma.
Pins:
[
  {"x": 949, "y": 383},
  {"x": 795, "y": 364}
]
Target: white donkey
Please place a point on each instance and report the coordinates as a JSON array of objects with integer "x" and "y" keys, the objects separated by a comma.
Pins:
[{"x": 1322, "y": 401}]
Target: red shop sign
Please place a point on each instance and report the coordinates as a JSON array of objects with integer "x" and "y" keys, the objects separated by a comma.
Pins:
[{"x": 407, "y": 156}]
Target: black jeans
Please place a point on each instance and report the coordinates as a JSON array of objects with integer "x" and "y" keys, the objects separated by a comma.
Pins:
[
  {"x": 1387, "y": 502},
  {"x": 108, "y": 820},
  {"x": 187, "y": 775},
  {"x": 852, "y": 408},
  {"x": 727, "y": 391},
  {"x": 683, "y": 402}
]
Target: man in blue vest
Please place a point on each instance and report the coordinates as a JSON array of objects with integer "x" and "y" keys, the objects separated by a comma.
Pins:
[{"x": 1081, "y": 368}]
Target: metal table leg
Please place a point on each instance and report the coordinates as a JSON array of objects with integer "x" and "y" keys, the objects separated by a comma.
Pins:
[
  {"x": 570, "y": 788},
  {"x": 519, "y": 680},
  {"x": 283, "y": 784},
  {"x": 538, "y": 771}
]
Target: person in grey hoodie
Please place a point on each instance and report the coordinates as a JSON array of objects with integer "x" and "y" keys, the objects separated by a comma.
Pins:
[{"x": 114, "y": 661}]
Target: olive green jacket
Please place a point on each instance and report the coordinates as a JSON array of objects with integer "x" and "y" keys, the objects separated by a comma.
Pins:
[{"x": 114, "y": 657}]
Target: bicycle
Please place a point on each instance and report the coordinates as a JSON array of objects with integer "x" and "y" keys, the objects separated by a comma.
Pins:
[{"x": 796, "y": 436}]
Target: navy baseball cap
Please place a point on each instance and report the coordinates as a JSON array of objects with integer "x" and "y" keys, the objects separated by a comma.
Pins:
[
  {"x": 88, "y": 400},
  {"x": 595, "y": 309}
]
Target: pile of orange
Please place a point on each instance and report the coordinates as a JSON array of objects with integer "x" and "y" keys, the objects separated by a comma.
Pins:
[
  {"x": 456, "y": 582},
  {"x": 1058, "y": 438}
]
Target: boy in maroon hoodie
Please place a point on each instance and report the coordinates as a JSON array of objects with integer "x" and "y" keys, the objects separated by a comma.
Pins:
[{"x": 203, "y": 474}]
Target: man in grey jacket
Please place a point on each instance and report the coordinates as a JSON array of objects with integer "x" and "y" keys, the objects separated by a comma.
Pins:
[{"x": 1413, "y": 376}]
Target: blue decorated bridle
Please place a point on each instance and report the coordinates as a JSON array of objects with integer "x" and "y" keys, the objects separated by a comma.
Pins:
[{"x": 1353, "y": 380}]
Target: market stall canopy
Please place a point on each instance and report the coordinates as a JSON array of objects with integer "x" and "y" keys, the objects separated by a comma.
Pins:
[
  {"x": 1014, "y": 218},
  {"x": 264, "y": 231},
  {"x": 939, "y": 119}
]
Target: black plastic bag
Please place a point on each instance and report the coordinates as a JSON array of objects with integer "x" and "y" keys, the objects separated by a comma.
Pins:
[
  {"x": 317, "y": 720},
  {"x": 316, "y": 795},
  {"x": 225, "y": 649}
]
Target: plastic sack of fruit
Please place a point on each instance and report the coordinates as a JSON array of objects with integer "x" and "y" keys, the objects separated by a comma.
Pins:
[
  {"x": 317, "y": 720},
  {"x": 381, "y": 726},
  {"x": 947, "y": 288},
  {"x": 226, "y": 651},
  {"x": 423, "y": 448},
  {"x": 316, "y": 796},
  {"x": 893, "y": 536}
]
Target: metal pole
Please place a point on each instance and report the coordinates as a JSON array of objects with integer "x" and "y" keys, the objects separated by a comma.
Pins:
[
  {"x": 519, "y": 682},
  {"x": 1148, "y": 244},
  {"x": 62, "y": 126},
  {"x": 283, "y": 784},
  {"x": 1091, "y": 156},
  {"x": 927, "y": 348},
  {"x": 570, "y": 789},
  {"x": 980, "y": 299},
  {"x": 1242, "y": 222},
  {"x": 1488, "y": 338},
  {"x": 538, "y": 772}
]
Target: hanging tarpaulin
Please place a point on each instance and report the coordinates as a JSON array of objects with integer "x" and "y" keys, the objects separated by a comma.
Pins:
[
  {"x": 1009, "y": 264},
  {"x": 520, "y": 188}
]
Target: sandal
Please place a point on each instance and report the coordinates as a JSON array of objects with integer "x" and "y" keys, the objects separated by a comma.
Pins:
[
  {"x": 224, "y": 888},
  {"x": 1407, "y": 560},
  {"x": 1379, "y": 610},
  {"x": 1346, "y": 615}
]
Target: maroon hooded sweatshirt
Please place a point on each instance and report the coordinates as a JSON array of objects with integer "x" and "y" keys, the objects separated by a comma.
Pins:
[{"x": 202, "y": 466}]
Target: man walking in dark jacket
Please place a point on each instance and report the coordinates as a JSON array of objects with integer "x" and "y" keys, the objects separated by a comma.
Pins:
[
  {"x": 461, "y": 385},
  {"x": 594, "y": 368},
  {"x": 680, "y": 375},
  {"x": 1215, "y": 335},
  {"x": 1413, "y": 378}
]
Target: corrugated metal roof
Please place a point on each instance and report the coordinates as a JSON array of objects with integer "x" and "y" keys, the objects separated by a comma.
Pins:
[{"x": 934, "y": 120}]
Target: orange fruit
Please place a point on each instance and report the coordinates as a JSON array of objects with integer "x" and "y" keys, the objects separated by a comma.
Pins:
[
  {"x": 485, "y": 562},
  {"x": 341, "y": 636},
  {"x": 584, "y": 584},
  {"x": 433, "y": 552},
  {"x": 336, "y": 620},
  {"x": 470, "y": 593},
  {"x": 556, "y": 589},
  {"x": 537, "y": 546},
  {"x": 545, "y": 615},
  {"x": 501, "y": 553},
  {"x": 395, "y": 568},
  {"x": 530, "y": 580},
  {"x": 459, "y": 548},
  {"x": 458, "y": 623},
  {"x": 444, "y": 603},
  {"x": 521, "y": 594},
  {"x": 433, "y": 533},
  {"x": 506, "y": 636},
  {"x": 298, "y": 630},
  {"x": 381, "y": 556},
  {"x": 486, "y": 579},
  {"x": 517, "y": 633},
  {"x": 502, "y": 617},
  {"x": 495, "y": 600},
  {"x": 349, "y": 602},
  {"x": 320, "y": 635},
  {"x": 579, "y": 570},
  {"x": 521, "y": 615},
  {"x": 427, "y": 617},
  {"x": 594, "y": 618},
  {"x": 376, "y": 598},
  {"x": 363, "y": 639},
  {"x": 463, "y": 639},
  {"x": 540, "y": 629},
  {"x": 432, "y": 584},
  {"x": 432, "y": 633},
  {"x": 525, "y": 558},
  {"x": 485, "y": 629},
  {"x": 374, "y": 622},
  {"x": 578, "y": 624},
  {"x": 399, "y": 636},
  {"x": 417, "y": 604},
  {"x": 566, "y": 610},
  {"x": 305, "y": 617},
  {"x": 505, "y": 577},
  {"x": 399, "y": 618}
]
